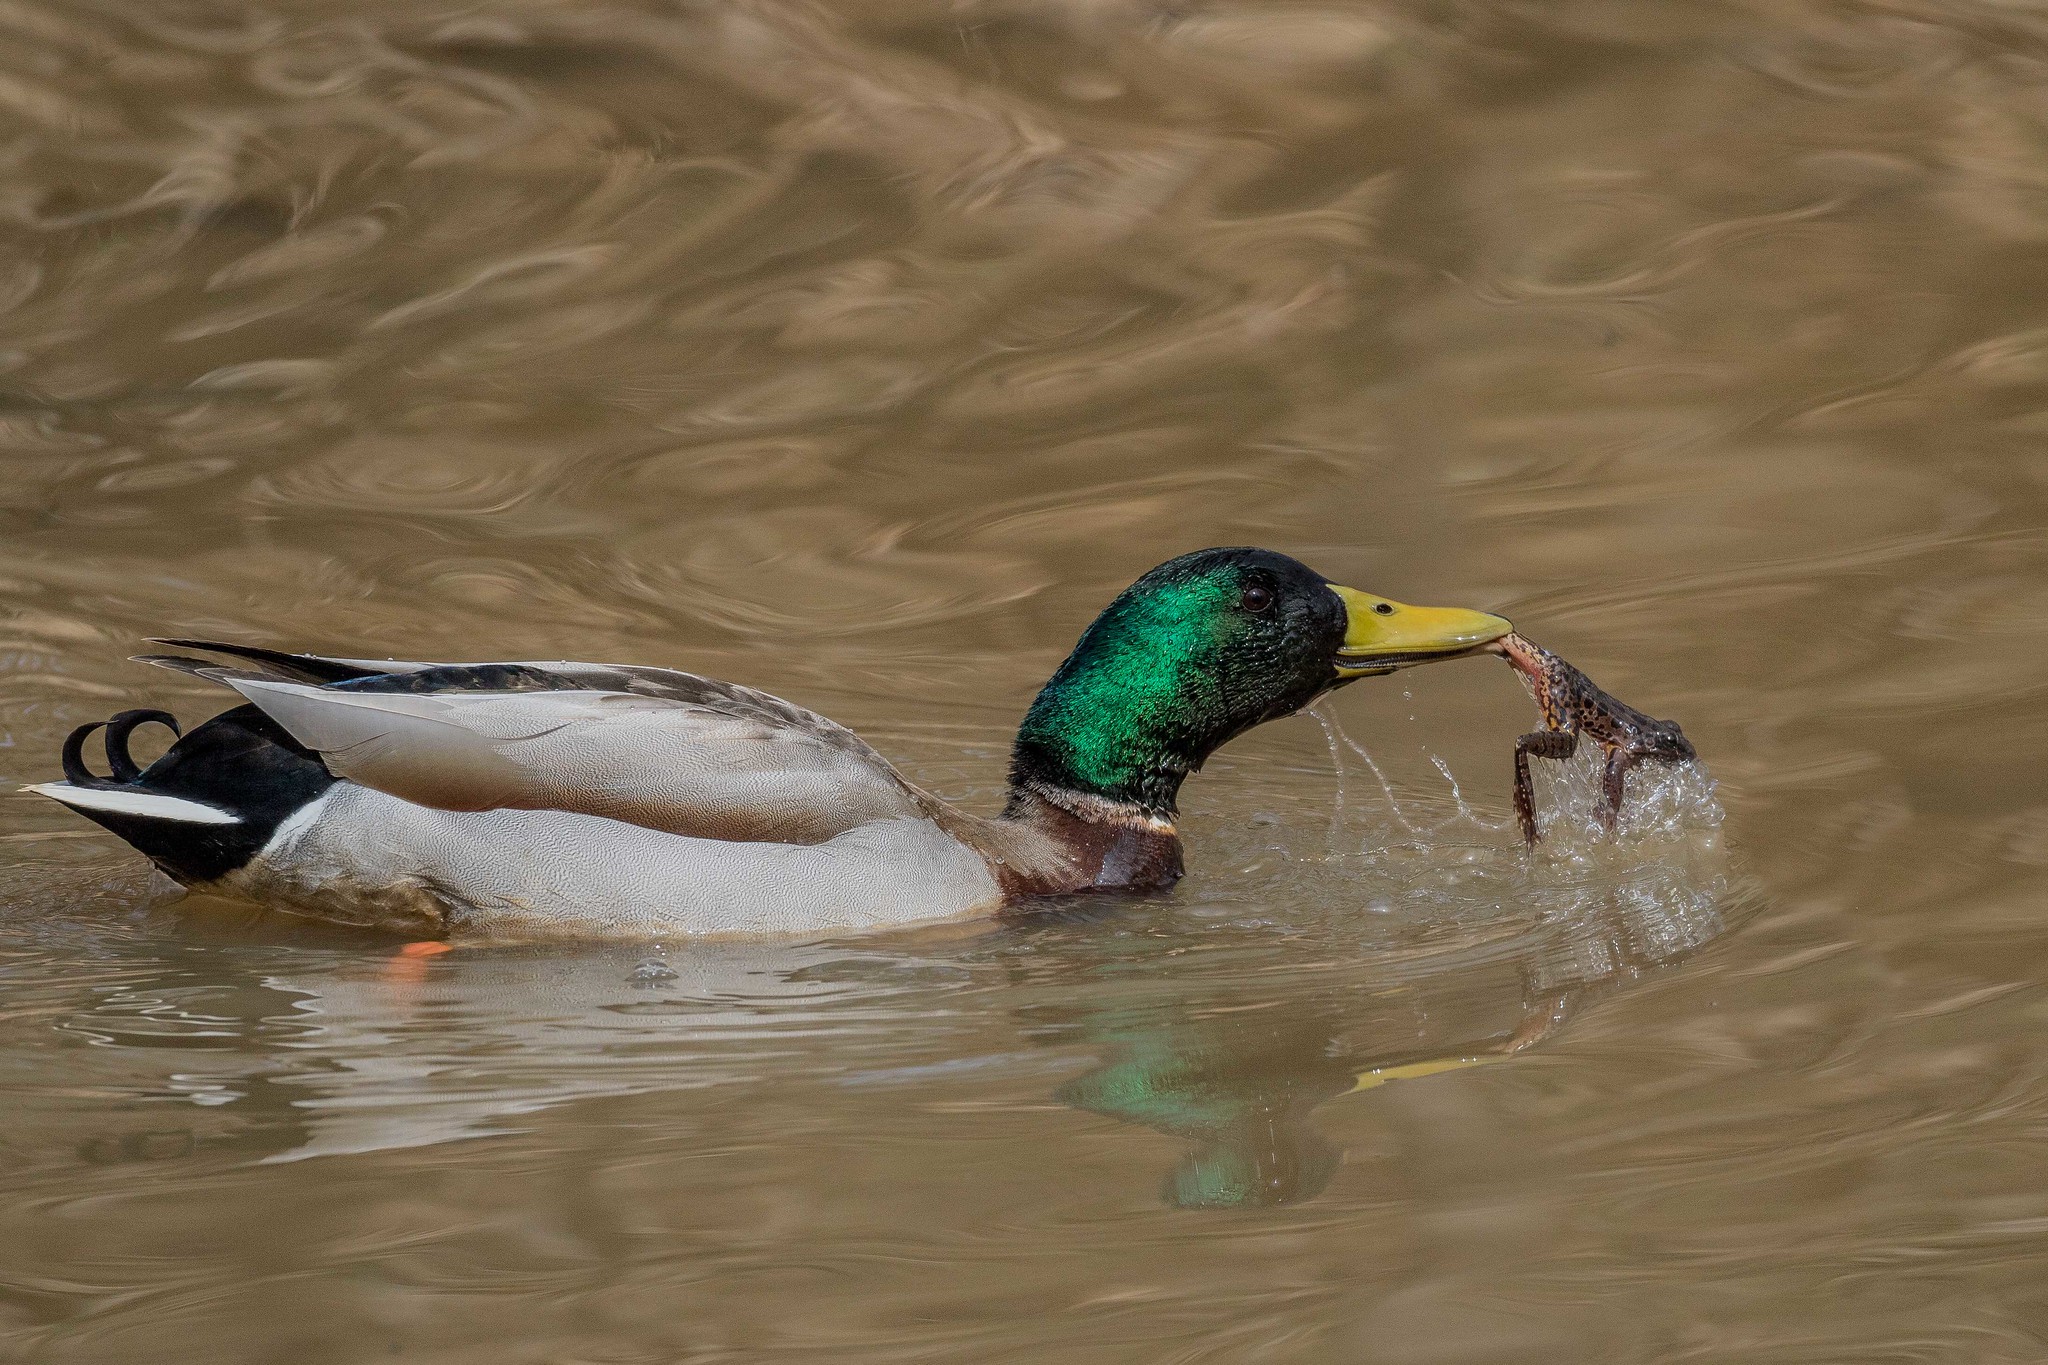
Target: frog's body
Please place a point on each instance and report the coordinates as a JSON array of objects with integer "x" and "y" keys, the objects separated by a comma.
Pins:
[{"x": 1573, "y": 706}]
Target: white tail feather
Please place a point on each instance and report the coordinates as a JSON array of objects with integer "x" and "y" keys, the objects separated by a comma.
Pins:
[{"x": 150, "y": 805}]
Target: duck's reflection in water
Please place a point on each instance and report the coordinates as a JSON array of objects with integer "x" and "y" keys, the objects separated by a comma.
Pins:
[
  {"x": 335, "y": 1045},
  {"x": 1243, "y": 1101},
  {"x": 1224, "y": 1029},
  {"x": 1238, "y": 1074}
]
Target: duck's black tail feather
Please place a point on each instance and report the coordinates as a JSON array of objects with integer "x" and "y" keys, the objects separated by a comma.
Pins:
[
  {"x": 208, "y": 805},
  {"x": 118, "y": 729}
]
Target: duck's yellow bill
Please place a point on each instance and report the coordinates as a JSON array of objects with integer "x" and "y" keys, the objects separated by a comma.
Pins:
[{"x": 1381, "y": 635}]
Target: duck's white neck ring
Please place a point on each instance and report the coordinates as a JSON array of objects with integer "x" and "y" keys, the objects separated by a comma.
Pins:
[{"x": 1098, "y": 810}]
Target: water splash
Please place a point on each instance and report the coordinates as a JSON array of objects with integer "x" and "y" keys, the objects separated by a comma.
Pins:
[
  {"x": 1463, "y": 815},
  {"x": 1339, "y": 741},
  {"x": 1337, "y": 764},
  {"x": 1661, "y": 801},
  {"x": 1439, "y": 881},
  {"x": 1465, "y": 811}
]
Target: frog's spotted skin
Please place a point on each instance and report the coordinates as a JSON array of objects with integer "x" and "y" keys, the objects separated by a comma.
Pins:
[{"x": 1573, "y": 706}]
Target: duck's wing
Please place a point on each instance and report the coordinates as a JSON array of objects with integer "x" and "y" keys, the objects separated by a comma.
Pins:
[
  {"x": 649, "y": 746},
  {"x": 314, "y": 668}
]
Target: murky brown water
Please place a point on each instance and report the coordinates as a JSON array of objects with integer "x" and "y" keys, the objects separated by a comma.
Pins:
[{"x": 860, "y": 352}]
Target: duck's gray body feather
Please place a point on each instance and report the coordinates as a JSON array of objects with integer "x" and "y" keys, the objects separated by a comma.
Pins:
[{"x": 360, "y": 856}]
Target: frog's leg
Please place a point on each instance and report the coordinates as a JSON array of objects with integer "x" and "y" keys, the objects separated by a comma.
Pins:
[
  {"x": 1558, "y": 744},
  {"x": 1619, "y": 761}
]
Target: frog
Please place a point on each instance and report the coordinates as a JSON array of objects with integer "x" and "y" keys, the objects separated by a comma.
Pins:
[{"x": 1574, "y": 707}]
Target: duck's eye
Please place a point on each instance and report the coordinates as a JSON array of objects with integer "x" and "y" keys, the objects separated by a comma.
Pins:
[
  {"x": 1257, "y": 598},
  {"x": 1383, "y": 608}
]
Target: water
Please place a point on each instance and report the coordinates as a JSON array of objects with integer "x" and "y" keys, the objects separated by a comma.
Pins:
[{"x": 860, "y": 352}]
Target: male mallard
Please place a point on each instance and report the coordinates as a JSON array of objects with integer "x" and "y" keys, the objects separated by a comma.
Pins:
[{"x": 589, "y": 798}]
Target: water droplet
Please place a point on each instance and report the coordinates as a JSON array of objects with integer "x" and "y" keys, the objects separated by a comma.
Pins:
[{"x": 651, "y": 971}]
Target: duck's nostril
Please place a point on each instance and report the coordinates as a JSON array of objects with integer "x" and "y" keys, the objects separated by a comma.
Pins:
[{"x": 1384, "y": 608}]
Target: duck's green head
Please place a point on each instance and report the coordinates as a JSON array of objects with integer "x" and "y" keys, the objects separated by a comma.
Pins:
[{"x": 1200, "y": 650}]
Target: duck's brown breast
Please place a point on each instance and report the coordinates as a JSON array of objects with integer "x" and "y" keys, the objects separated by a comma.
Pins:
[{"x": 1043, "y": 849}]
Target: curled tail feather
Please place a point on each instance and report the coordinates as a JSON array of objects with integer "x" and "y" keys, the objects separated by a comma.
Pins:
[{"x": 126, "y": 772}]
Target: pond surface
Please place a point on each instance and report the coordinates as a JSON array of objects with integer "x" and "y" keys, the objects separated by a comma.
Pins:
[{"x": 861, "y": 352}]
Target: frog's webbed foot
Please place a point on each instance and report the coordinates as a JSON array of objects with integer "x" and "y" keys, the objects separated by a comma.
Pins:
[{"x": 1559, "y": 744}]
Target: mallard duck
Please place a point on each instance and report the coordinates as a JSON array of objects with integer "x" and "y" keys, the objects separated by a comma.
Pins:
[{"x": 521, "y": 798}]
